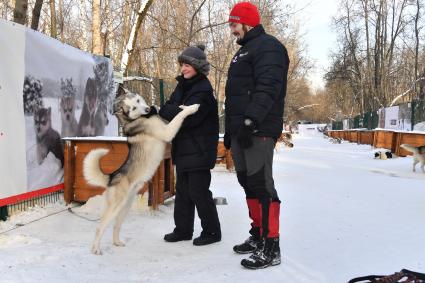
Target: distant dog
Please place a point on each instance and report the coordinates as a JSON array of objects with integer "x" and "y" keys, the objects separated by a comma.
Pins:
[
  {"x": 383, "y": 155},
  {"x": 335, "y": 140},
  {"x": 48, "y": 140},
  {"x": 285, "y": 138},
  {"x": 147, "y": 135},
  {"x": 101, "y": 119},
  {"x": 69, "y": 123},
  {"x": 86, "y": 125},
  {"x": 418, "y": 155}
]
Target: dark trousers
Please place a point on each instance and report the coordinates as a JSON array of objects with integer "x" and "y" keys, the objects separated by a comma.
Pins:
[
  {"x": 254, "y": 168},
  {"x": 193, "y": 190}
]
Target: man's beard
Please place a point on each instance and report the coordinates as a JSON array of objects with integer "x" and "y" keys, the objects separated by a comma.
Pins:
[
  {"x": 238, "y": 38},
  {"x": 245, "y": 31}
]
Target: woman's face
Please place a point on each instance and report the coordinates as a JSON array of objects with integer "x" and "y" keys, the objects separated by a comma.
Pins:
[{"x": 188, "y": 71}]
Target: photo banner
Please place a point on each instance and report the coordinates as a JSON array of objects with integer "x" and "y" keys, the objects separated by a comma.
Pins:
[
  {"x": 12, "y": 123},
  {"x": 58, "y": 91}
]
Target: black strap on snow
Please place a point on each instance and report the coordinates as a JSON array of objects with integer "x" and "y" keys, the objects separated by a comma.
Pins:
[{"x": 414, "y": 277}]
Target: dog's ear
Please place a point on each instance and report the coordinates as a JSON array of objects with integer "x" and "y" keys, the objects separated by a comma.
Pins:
[
  {"x": 118, "y": 110},
  {"x": 121, "y": 91}
]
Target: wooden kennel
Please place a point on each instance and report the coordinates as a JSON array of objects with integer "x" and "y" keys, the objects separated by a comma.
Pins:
[{"x": 160, "y": 187}]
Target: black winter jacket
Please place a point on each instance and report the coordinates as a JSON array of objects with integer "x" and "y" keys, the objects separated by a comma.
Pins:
[
  {"x": 195, "y": 145},
  {"x": 256, "y": 84}
]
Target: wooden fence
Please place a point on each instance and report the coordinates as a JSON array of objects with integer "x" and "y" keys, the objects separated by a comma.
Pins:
[{"x": 390, "y": 140}]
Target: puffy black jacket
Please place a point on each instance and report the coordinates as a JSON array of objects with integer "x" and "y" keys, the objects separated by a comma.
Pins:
[
  {"x": 195, "y": 145},
  {"x": 256, "y": 84}
]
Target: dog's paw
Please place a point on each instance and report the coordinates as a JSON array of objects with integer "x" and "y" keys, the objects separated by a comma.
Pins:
[
  {"x": 96, "y": 250},
  {"x": 191, "y": 108},
  {"x": 118, "y": 243}
]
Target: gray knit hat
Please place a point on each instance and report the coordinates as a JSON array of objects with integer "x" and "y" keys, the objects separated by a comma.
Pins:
[{"x": 195, "y": 56}]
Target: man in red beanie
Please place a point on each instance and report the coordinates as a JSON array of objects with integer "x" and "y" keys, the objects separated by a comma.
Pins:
[{"x": 255, "y": 93}]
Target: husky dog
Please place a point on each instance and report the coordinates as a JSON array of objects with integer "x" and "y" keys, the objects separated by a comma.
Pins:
[
  {"x": 285, "y": 138},
  {"x": 418, "y": 155},
  {"x": 69, "y": 123},
  {"x": 86, "y": 126},
  {"x": 147, "y": 135},
  {"x": 335, "y": 140},
  {"x": 48, "y": 140},
  {"x": 101, "y": 119},
  {"x": 383, "y": 155}
]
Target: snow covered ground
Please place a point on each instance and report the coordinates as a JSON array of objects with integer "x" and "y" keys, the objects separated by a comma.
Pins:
[{"x": 344, "y": 215}]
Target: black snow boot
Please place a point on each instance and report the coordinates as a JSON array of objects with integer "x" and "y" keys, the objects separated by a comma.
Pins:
[
  {"x": 176, "y": 237},
  {"x": 267, "y": 254},
  {"x": 250, "y": 244},
  {"x": 207, "y": 238}
]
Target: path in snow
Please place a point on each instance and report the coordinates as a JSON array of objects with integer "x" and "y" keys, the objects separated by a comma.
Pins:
[{"x": 344, "y": 215}]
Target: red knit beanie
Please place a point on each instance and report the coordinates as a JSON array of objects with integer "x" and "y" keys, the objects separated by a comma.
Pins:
[{"x": 245, "y": 13}]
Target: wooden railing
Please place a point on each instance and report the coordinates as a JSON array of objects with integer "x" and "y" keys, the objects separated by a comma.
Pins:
[{"x": 380, "y": 138}]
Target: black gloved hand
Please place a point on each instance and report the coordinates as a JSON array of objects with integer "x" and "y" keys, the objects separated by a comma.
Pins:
[
  {"x": 227, "y": 141},
  {"x": 153, "y": 111},
  {"x": 244, "y": 136}
]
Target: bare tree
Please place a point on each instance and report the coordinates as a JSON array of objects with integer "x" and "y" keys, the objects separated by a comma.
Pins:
[
  {"x": 96, "y": 24},
  {"x": 53, "y": 29},
  {"x": 141, "y": 14},
  {"x": 83, "y": 38},
  {"x": 20, "y": 12},
  {"x": 36, "y": 14}
]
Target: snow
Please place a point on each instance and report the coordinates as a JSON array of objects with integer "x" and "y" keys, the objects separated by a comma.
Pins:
[
  {"x": 310, "y": 129},
  {"x": 420, "y": 127},
  {"x": 344, "y": 214},
  {"x": 97, "y": 138}
]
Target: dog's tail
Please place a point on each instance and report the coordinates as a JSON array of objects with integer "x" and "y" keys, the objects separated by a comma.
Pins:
[
  {"x": 91, "y": 168},
  {"x": 410, "y": 148}
]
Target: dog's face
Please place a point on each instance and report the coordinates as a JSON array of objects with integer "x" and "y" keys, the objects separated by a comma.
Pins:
[
  {"x": 130, "y": 105},
  {"x": 42, "y": 121},
  {"x": 102, "y": 112},
  {"x": 67, "y": 107},
  {"x": 90, "y": 95}
]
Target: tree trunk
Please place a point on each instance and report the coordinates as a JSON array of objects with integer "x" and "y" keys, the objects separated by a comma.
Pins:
[
  {"x": 61, "y": 21},
  {"x": 141, "y": 14},
  {"x": 53, "y": 30},
  {"x": 36, "y": 14},
  {"x": 20, "y": 12},
  {"x": 420, "y": 93},
  {"x": 96, "y": 36},
  {"x": 109, "y": 33},
  {"x": 83, "y": 27},
  {"x": 126, "y": 24}
]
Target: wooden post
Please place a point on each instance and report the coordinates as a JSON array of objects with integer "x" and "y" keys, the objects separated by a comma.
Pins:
[
  {"x": 229, "y": 160},
  {"x": 161, "y": 182},
  {"x": 172, "y": 178},
  {"x": 69, "y": 171},
  {"x": 155, "y": 190}
]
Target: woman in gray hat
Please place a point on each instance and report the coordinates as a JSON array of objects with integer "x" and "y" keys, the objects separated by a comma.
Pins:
[{"x": 194, "y": 149}]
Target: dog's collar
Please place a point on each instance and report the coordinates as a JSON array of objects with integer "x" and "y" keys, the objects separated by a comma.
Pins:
[
  {"x": 147, "y": 116},
  {"x": 151, "y": 113}
]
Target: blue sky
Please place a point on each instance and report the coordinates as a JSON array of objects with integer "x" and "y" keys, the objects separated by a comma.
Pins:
[{"x": 315, "y": 23}]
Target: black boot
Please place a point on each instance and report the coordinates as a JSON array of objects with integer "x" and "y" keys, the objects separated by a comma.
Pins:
[
  {"x": 250, "y": 244},
  {"x": 176, "y": 237},
  {"x": 207, "y": 238},
  {"x": 266, "y": 255}
]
